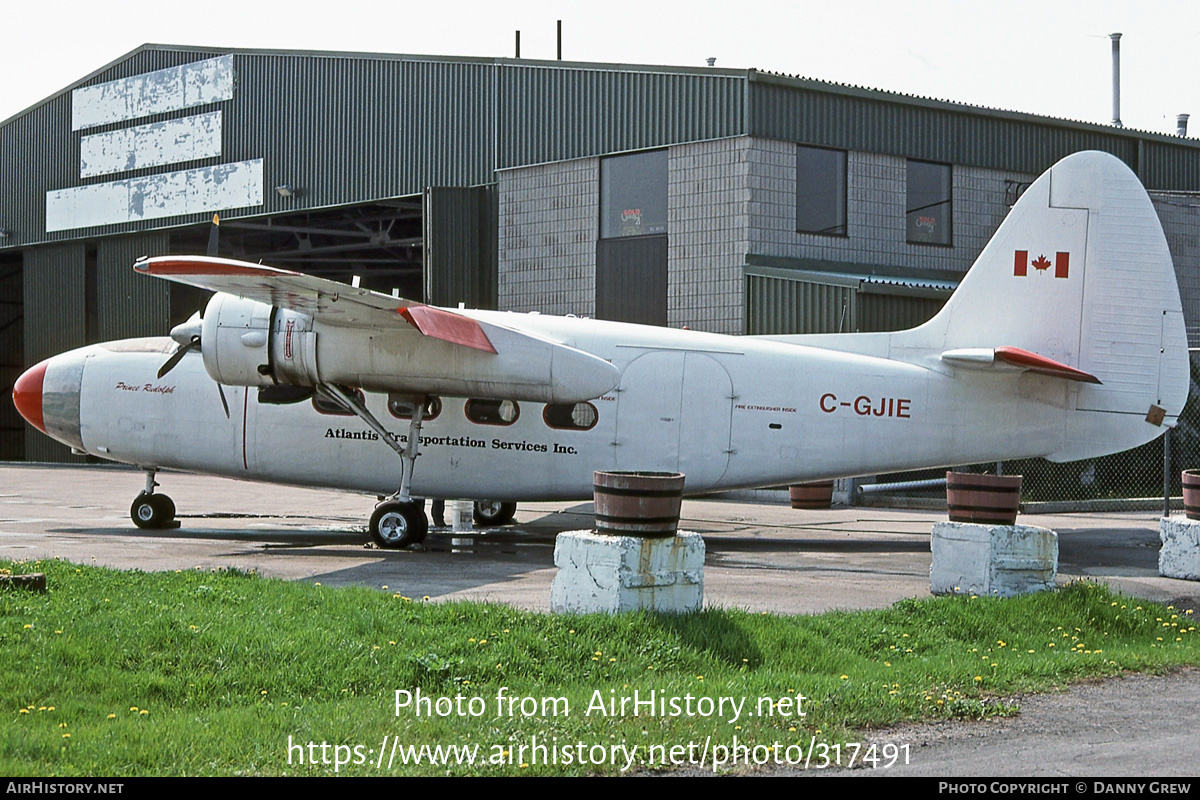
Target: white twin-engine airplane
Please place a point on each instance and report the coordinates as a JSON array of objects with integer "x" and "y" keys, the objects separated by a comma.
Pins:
[{"x": 1065, "y": 340}]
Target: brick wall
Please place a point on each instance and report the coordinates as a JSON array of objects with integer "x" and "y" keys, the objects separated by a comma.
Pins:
[{"x": 547, "y": 238}]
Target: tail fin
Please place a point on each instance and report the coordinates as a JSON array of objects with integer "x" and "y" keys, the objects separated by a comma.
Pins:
[{"x": 1079, "y": 273}]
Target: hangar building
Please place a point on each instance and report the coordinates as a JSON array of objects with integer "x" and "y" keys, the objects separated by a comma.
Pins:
[{"x": 734, "y": 201}]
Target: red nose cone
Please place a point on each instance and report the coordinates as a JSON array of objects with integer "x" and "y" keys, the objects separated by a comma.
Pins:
[{"x": 27, "y": 395}]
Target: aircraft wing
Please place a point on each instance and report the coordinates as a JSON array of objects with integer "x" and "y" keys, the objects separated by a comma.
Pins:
[
  {"x": 437, "y": 350},
  {"x": 331, "y": 301}
]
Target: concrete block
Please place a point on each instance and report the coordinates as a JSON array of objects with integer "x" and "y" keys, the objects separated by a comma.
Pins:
[
  {"x": 612, "y": 574},
  {"x": 1180, "y": 553},
  {"x": 995, "y": 560}
]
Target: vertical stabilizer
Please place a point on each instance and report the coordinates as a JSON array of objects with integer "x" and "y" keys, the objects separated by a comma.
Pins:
[{"x": 1079, "y": 273}]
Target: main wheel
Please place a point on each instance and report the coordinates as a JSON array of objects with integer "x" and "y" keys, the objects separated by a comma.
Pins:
[
  {"x": 494, "y": 512},
  {"x": 152, "y": 511},
  {"x": 395, "y": 524}
]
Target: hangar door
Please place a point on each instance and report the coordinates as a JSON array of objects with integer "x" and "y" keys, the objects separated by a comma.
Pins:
[{"x": 460, "y": 245}]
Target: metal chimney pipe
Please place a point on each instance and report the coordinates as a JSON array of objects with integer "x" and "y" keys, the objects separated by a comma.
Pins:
[
  {"x": 560, "y": 40},
  {"x": 518, "y": 55},
  {"x": 1116, "y": 77},
  {"x": 1181, "y": 125}
]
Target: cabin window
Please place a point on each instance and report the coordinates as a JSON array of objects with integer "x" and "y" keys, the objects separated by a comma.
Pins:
[
  {"x": 326, "y": 406},
  {"x": 400, "y": 407},
  {"x": 571, "y": 416},
  {"x": 820, "y": 190},
  {"x": 633, "y": 195},
  {"x": 928, "y": 209},
  {"x": 492, "y": 412}
]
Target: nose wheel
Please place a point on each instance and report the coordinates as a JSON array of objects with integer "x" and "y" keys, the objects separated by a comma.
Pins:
[
  {"x": 396, "y": 524},
  {"x": 153, "y": 511}
]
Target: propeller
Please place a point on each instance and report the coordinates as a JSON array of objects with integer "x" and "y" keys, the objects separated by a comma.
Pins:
[{"x": 187, "y": 334}]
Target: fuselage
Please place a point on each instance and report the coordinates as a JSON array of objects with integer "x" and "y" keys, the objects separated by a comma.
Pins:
[{"x": 726, "y": 411}]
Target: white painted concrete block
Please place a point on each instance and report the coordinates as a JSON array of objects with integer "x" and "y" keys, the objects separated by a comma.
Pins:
[
  {"x": 995, "y": 560},
  {"x": 1180, "y": 553},
  {"x": 597, "y": 572}
]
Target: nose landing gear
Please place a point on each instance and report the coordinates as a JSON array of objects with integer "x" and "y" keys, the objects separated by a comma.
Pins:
[{"x": 150, "y": 510}]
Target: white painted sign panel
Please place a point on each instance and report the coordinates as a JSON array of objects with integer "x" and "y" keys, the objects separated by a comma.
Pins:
[
  {"x": 169, "y": 142},
  {"x": 169, "y": 194},
  {"x": 172, "y": 89}
]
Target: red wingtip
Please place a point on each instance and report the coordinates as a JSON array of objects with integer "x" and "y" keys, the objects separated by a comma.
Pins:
[{"x": 27, "y": 395}]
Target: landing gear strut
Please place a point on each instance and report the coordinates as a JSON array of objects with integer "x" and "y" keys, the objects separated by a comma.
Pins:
[
  {"x": 399, "y": 520},
  {"x": 150, "y": 510}
]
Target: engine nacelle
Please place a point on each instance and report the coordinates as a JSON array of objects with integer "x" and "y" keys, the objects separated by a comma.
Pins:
[{"x": 248, "y": 343}]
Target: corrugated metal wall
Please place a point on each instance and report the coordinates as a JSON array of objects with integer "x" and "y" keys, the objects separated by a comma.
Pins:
[
  {"x": 460, "y": 246},
  {"x": 858, "y": 119},
  {"x": 551, "y": 113},
  {"x": 895, "y": 312},
  {"x": 55, "y": 321},
  {"x": 12, "y": 354},
  {"x": 131, "y": 304},
  {"x": 778, "y": 303}
]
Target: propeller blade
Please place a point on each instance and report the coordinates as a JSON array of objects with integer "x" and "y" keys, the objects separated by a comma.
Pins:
[
  {"x": 224, "y": 402},
  {"x": 178, "y": 355},
  {"x": 214, "y": 236}
]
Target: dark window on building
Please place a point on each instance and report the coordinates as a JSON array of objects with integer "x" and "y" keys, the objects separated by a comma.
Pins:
[
  {"x": 571, "y": 416},
  {"x": 492, "y": 412},
  {"x": 401, "y": 407},
  {"x": 821, "y": 190},
  {"x": 928, "y": 207},
  {"x": 633, "y": 195},
  {"x": 327, "y": 406}
]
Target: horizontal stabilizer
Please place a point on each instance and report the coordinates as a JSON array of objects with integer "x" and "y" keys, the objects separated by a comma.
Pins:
[{"x": 1016, "y": 358}]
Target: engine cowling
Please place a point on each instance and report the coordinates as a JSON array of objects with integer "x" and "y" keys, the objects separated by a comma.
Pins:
[{"x": 248, "y": 343}]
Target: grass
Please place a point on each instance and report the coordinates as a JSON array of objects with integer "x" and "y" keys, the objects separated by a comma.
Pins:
[{"x": 213, "y": 673}]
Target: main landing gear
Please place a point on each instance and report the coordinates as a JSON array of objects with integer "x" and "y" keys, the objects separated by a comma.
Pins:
[
  {"x": 493, "y": 512},
  {"x": 399, "y": 520},
  {"x": 150, "y": 510},
  {"x": 395, "y": 524}
]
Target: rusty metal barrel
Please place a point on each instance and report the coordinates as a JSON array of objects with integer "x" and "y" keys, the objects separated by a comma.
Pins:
[
  {"x": 814, "y": 495},
  {"x": 1191, "y": 493},
  {"x": 642, "y": 504},
  {"x": 984, "y": 499}
]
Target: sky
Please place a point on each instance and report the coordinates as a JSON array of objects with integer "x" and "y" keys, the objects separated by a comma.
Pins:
[{"x": 1050, "y": 57}]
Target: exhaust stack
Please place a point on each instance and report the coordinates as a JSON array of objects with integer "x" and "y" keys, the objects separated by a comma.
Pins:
[{"x": 1116, "y": 77}]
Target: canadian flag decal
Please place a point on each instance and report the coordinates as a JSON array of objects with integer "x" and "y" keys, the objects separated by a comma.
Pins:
[{"x": 1022, "y": 262}]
